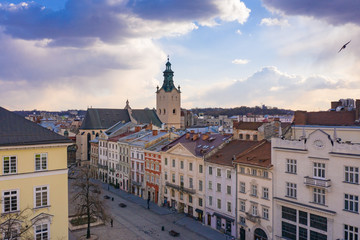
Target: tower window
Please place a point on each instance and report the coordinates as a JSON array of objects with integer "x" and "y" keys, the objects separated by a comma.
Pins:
[
  {"x": 164, "y": 111},
  {"x": 159, "y": 111},
  {"x": 174, "y": 111}
]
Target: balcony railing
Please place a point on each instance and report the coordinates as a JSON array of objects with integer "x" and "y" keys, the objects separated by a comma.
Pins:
[
  {"x": 324, "y": 183},
  {"x": 105, "y": 167},
  {"x": 180, "y": 188},
  {"x": 252, "y": 218}
]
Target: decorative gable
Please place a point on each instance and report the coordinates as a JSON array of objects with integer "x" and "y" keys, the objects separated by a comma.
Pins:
[{"x": 179, "y": 149}]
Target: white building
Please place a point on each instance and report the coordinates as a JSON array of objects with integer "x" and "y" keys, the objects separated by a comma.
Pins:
[{"x": 317, "y": 187}]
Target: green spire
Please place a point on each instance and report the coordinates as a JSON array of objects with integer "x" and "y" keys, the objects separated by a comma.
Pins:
[{"x": 168, "y": 84}]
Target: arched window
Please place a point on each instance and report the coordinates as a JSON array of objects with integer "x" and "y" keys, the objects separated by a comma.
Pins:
[
  {"x": 174, "y": 111},
  {"x": 164, "y": 111}
]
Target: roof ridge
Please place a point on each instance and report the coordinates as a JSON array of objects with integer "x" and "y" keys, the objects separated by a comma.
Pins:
[{"x": 252, "y": 148}]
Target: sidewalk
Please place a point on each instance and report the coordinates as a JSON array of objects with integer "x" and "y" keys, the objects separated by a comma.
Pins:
[{"x": 187, "y": 222}]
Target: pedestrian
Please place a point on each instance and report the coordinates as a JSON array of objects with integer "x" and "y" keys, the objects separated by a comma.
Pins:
[
  {"x": 148, "y": 203},
  {"x": 111, "y": 222}
]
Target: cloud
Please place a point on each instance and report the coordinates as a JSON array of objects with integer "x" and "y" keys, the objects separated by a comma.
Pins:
[
  {"x": 273, "y": 87},
  {"x": 238, "y": 32},
  {"x": 335, "y": 12},
  {"x": 274, "y": 22},
  {"x": 240, "y": 61}
]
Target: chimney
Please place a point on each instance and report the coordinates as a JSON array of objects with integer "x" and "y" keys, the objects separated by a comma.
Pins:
[
  {"x": 357, "y": 109},
  {"x": 137, "y": 128},
  {"x": 195, "y": 136},
  {"x": 155, "y": 132},
  {"x": 187, "y": 135},
  {"x": 334, "y": 105},
  {"x": 205, "y": 136}
]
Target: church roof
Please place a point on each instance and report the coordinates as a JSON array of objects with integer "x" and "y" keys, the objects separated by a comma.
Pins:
[
  {"x": 16, "y": 130},
  {"x": 103, "y": 118}
]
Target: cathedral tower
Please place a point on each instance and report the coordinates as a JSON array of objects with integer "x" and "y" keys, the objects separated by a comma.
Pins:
[{"x": 168, "y": 102}]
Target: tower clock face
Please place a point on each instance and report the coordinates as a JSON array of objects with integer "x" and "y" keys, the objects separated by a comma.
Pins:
[{"x": 318, "y": 144}]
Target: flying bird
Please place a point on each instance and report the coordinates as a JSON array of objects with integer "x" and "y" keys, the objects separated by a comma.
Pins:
[{"x": 343, "y": 47}]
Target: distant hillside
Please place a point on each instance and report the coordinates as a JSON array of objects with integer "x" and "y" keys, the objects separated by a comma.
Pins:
[
  {"x": 24, "y": 113},
  {"x": 264, "y": 110}
]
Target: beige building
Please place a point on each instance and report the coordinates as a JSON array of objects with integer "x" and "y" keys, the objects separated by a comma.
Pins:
[
  {"x": 254, "y": 192},
  {"x": 168, "y": 100},
  {"x": 184, "y": 171}
]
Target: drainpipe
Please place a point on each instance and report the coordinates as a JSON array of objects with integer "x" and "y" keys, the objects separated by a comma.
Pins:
[{"x": 236, "y": 202}]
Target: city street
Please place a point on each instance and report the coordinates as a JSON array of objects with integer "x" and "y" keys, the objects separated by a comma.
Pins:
[{"x": 135, "y": 221}]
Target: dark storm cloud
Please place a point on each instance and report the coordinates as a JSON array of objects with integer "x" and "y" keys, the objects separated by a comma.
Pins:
[
  {"x": 79, "y": 19},
  {"x": 173, "y": 9},
  {"x": 83, "y": 21},
  {"x": 333, "y": 11}
]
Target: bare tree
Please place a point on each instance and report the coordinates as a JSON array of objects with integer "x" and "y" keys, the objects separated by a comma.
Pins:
[
  {"x": 17, "y": 225},
  {"x": 87, "y": 198}
]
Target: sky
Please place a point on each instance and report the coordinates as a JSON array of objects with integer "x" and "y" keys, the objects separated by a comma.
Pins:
[{"x": 75, "y": 54}]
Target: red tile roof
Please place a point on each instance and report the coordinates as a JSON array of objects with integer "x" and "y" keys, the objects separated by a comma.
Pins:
[
  {"x": 258, "y": 155},
  {"x": 247, "y": 125},
  {"x": 225, "y": 155},
  {"x": 331, "y": 118}
]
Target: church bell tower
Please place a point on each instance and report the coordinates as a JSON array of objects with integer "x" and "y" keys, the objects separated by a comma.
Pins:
[{"x": 168, "y": 101}]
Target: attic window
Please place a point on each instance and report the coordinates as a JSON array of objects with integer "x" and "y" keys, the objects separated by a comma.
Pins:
[{"x": 199, "y": 146}]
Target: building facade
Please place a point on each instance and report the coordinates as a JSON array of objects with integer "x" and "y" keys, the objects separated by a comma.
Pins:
[{"x": 33, "y": 180}]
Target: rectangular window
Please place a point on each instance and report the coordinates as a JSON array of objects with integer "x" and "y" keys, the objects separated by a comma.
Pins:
[
  {"x": 210, "y": 170},
  {"x": 351, "y": 232},
  {"x": 291, "y": 190},
  {"x": 229, "y": 207},
  {"x": 317, "y": 236},
  {"x": 173, "y": 162},
  {"x": 219, "y": 203},
  {"x": 190, "y": 166},
  {"x": 200, "y": 202},
  {"x": 319, "y": 170},
  {"x": 288, "y": 213},
  {"x": 242, "y": 220},
  {"x": 210, "y": 200},
  {"x": 265, "y": 213},
  {"x": 254, "y": 190},
  {"x": 352, "y": 174},
  {"x": 266, "y": 174},
  {"x": 253, "y": 172},
  {"x": 42, "y": 232},
  {"x": 10, "y": 201},
  {"x": 228, "y": 189},
  {"x": 319, "y": 196},
  {"x": 9, "y": 164},
  {"x": 242, "y": 170},
  {"x": 181, "y": 196},
  {"x": 190, "y": 199},
  {"x": 218, "y": 187},
  {"x": 218, "y": 172},
  {"x": 200, "y": 185},
  {"x": 166, "y": 163},
  {"x": 318, "y": 222},
  {"x": 247, "y": 136},
  {"x": 165, "y": 175},
  {"x": 265, "y": 194},
  {"x": 303, "y": 217},
  {"x": 351, "y": 203},
  {"x": 291, "y": 166},
  {"x": 228, "y": 174},
  {"x": 303, "y": 233},
  {"x": 182, "y": 164},
  {"x": 241, "y": 136},
  {"x": 181, "y": 181},
  {"x": 200, "y": 168},
  {"x": 191, "y": 183},
  {"x": 210, "y": 185},
  {"x": 254, "y": 210},
  {"x": 255, "y": 138},
  {"x": 242, "y": 206},
  {"x": 173, "y": 177},
  {"x": 288, "y": 230},
  {"x": 242, "y": 187},
  {"x": 41, "y": 196}
]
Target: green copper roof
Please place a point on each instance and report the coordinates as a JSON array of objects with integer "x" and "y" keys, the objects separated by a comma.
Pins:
[{"x": 168, "y": 84}]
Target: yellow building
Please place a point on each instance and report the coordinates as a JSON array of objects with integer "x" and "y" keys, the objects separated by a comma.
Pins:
[{"x": 33, "y": 179}]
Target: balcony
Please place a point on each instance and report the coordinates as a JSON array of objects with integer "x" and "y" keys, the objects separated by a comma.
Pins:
[
  {"x": 105, "y": 167},
  {"x": 315, "y": 182},
  {"x": 136, "y": 183},
  {"x": 180, "y": 188},
  {"x": 252, "y": 218}
]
